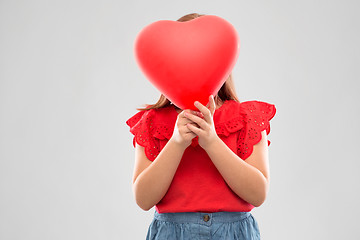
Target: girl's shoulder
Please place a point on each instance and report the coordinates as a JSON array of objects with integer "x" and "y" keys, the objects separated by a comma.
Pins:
[
  {"x": 233, "y": 110},
  {"x": 256, "y": 107},
  {"x": 150, "y": 126},
  {"x": 230, "y": 113},
  {"x": 150, "y": 115},
  {"x": 249, "y": 118},
  {"x": 157, "y": 122}
]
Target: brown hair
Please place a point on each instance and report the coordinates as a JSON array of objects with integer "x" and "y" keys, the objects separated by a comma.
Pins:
[{"x": 226, "y": 92}]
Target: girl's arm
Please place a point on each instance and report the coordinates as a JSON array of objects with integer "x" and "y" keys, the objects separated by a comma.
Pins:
[
  {"x": 151, "y": 180},
  {"x": 248, "y": 179}
]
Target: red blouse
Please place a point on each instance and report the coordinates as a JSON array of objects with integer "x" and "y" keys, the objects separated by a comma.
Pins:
[{"x": 197, "y": 185}]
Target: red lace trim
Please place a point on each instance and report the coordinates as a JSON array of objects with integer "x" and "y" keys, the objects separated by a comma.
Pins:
[
  {"x": 257, "y": 118},
  {"x": 250, "y": 118},
  {"x": 230, "y": 126},
  {"x": 141, "y": 125}
]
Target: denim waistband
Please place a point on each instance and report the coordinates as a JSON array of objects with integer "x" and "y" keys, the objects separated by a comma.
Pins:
[{"x": 201, "y": 217}]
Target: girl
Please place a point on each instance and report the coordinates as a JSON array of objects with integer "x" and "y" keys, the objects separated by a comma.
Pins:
[{"x": 202, "y": 170}]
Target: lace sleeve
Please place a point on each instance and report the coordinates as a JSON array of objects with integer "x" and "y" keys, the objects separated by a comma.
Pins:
[
  {"x": 141, "y": 126},
  {"x": 257, "y": 118}
]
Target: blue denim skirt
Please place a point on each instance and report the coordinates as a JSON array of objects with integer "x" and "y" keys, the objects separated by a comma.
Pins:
[{"x": 201, "y": 225}]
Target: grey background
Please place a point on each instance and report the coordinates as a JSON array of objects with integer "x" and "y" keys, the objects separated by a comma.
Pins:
[{"x": 69, "y": 81}]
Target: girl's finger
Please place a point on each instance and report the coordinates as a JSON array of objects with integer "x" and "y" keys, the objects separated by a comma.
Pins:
[
  {"x": 200, "y": 122},
  {"x": 212, "y": 104},
  {"x": 204, "y": 110},
  {"x": 197, "y": 131}
]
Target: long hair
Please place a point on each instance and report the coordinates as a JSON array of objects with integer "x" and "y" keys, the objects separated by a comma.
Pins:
[{"x": 226, "y": 92}]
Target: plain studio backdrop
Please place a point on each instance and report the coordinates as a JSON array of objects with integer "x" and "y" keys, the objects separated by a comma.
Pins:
[{"x": 69, "y": 81}]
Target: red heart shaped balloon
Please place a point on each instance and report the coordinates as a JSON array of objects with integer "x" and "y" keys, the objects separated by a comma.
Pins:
[{"x": 187, "y": 61}]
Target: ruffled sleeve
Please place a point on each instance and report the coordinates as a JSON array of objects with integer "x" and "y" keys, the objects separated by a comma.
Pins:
[
  {"x": 256, "y": 118},
  {"x": 141, "y": 126}
]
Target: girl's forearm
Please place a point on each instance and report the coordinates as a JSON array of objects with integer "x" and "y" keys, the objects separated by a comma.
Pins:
[
  {"x": 152, "y": 184},
  {"x": 244, "y": 179}
]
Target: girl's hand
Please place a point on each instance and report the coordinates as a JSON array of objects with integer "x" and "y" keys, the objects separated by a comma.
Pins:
[
  {"x": 206, "y": 130},
  {"x": 182, "y": 134}
]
